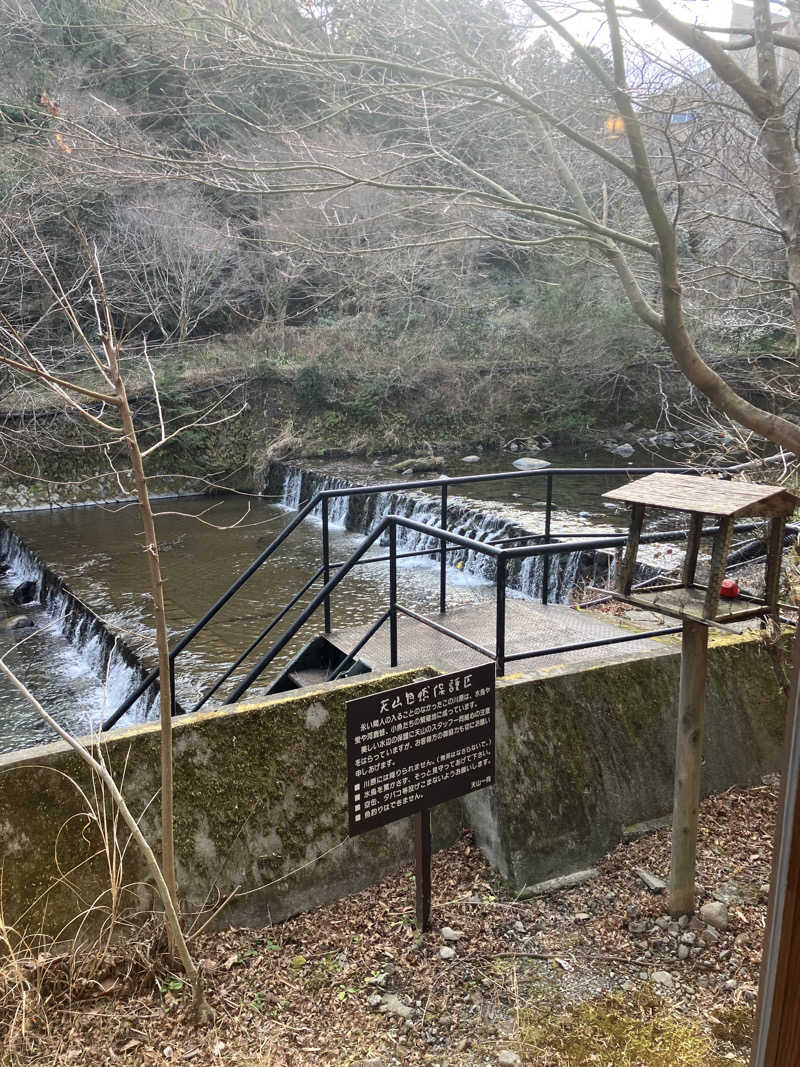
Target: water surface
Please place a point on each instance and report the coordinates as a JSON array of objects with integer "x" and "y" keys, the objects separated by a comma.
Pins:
[{"x": 205, "y": 544}]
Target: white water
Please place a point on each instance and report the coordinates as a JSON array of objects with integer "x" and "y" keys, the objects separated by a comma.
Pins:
[
  {"x": 292, "y": 488},
  {"x": 293, "y": 497},
  {"x": 71, "y": 646},
  {"x": 465, "y": 517}
]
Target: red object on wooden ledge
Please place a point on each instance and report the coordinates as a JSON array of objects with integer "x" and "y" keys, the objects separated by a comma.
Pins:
[{"x": 729, "y": 588}]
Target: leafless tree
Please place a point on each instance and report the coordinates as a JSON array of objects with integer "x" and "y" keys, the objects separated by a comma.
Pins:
[
  {"x": 613, "y": 149},
  {"x": 96, "y": 393},
  {"x": 172, "y": 260}
]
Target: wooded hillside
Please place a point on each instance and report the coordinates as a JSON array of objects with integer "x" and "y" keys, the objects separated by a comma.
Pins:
[{"x": 399, "y": 237}]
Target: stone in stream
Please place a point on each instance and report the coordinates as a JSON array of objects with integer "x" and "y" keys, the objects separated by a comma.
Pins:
[
  {"x": 25, "y": 592},
  {"x": 528, "y": 463},
  {"x": 419, "y": 465}
]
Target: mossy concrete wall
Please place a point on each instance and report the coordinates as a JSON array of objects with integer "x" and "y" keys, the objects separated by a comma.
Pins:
[
  {"x": 582, "y": 755},
  {"x": 260, "y": 790}
]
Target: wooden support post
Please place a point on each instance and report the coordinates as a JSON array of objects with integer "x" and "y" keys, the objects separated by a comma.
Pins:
[
  {"x": 625, "y": 571},
  {"x": 688, "y": 756},
  {"x": 775, "y": 531},
  {"x": 716, "y": 570},
  {"x": 692, "y": 548},
  {"x": 422, "y": 867}
]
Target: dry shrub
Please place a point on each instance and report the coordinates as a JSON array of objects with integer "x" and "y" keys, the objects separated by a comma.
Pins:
[{"x": 107, "y": 948}]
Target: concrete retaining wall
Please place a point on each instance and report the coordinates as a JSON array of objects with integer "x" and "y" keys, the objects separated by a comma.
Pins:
[
  {"x": 260, "y": 790},
  {"x": 583, "y": 755}
]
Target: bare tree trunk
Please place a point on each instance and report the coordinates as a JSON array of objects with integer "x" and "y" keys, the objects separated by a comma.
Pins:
[{"x": 160, "y": 618}]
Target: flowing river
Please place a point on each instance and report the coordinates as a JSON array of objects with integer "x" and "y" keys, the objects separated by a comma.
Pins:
[{"x": 206, "y": 543}]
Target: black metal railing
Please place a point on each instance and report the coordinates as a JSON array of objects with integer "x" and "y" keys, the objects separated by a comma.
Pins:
[
  {"x": 445, "y": 483},
  {"x": 331, "y": 573},
  {"x": 389, "y": 525}
]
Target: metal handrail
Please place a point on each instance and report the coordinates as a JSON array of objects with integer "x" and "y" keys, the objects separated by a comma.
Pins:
[
  {"x": 322, "y": 497},
  {"x": 390, "y": 523},
  {"x": 254, "y": 644},
  {"x": 557, "y": 650},
  {"x": 444, "y": 483},
  {"x": 201, "y": 623},
  {"x": 437, "y": 626},
  {"x": 306, "y": 614},
  {"x": 350, "y": 658}
]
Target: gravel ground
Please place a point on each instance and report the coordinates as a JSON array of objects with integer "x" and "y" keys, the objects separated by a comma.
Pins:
[{"x": 497, "y": 981}]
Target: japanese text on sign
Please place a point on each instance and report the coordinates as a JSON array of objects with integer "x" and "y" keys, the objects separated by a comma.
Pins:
[{"x": 419, "y": 745}]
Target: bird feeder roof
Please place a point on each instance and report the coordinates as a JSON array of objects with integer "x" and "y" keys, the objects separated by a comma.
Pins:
[{"x": 709, "y": 496}]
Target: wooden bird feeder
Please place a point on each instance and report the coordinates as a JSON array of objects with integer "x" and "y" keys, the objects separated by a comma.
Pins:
[
  {"x": 723, "y": 503},
  {"x": 699, "y": 606}
]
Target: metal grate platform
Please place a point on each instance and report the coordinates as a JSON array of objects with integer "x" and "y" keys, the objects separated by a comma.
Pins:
[{"x": 529, "y": 626}]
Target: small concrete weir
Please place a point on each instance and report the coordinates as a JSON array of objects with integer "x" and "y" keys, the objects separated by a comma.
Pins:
[
  {"x": 32, "y": 584},
  {"x": 292, "y": 486}
]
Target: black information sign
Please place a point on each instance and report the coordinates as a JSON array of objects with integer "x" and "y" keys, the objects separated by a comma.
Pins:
[{"x": 418, "y": 745}]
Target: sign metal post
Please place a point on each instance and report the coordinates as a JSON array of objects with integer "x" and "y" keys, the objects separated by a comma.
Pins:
[
  {"x": 422, "y": 867},
  {"x": 416, "y": 746}
]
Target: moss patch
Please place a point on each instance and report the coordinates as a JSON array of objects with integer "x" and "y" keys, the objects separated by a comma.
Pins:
[
  {"x": 636, "y": 1031},
  {"x": 735, "y": 1023}
]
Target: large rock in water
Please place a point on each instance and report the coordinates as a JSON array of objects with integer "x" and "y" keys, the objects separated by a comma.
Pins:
[
  {"x": 623, "y": 450},
  {"x": 528, "y": 463},
  {"x": 25, "y": 593},
  {"x": 420, "y": 465}
]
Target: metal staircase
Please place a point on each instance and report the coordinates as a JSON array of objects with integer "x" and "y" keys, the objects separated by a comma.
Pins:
[{"x": 320, "y": 661}]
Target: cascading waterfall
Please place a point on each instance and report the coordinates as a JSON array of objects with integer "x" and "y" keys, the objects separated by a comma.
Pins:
[
  {"x": 292, "y": 489},
  {"x": 105, "y": 655},
  {"x": 293, "y": 486},
  {"x": 299, "y": 486}
]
